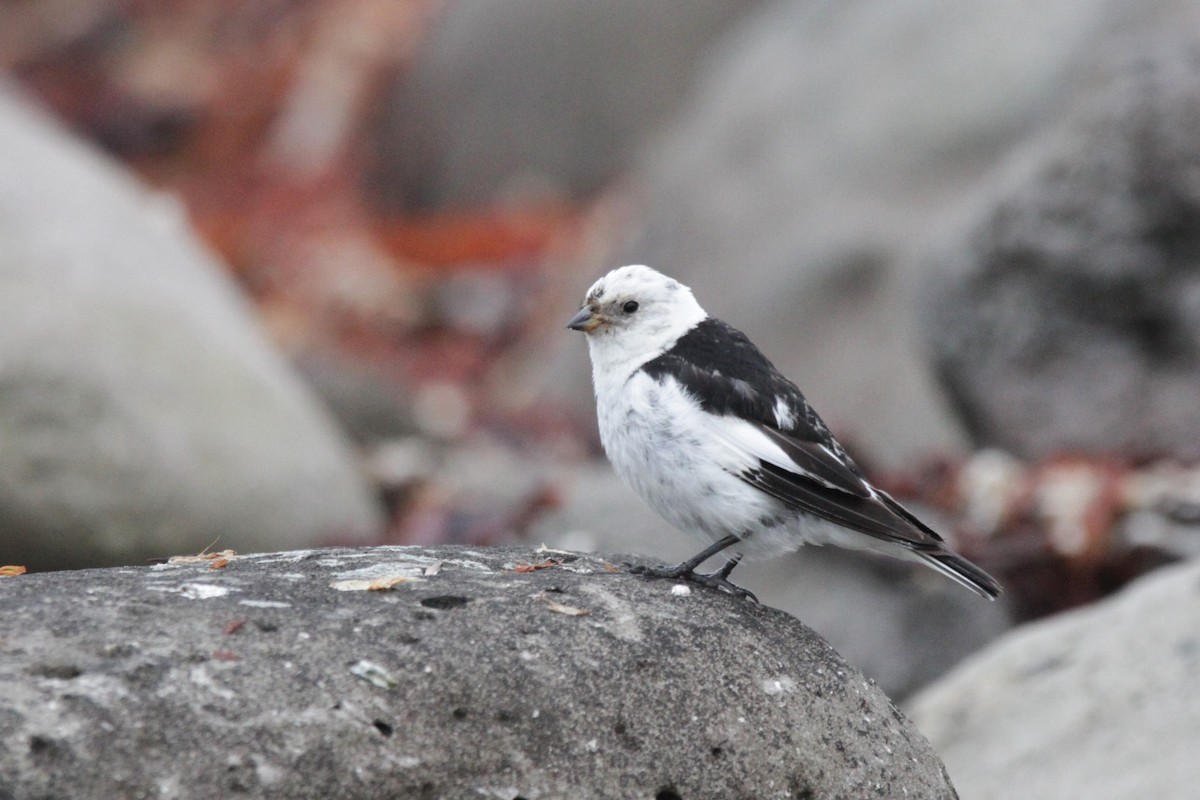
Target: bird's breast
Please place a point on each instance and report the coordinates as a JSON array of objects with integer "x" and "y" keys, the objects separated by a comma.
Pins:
[{"x": 654, "y": 435}]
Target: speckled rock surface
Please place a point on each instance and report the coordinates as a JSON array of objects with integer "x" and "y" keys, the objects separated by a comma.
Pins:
[{"x": 280, "y": 675}]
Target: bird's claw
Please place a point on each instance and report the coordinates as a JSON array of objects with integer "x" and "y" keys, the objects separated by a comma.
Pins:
[
  {"x": 715, "y": 580},
  {"x": 718, "y": 581}
]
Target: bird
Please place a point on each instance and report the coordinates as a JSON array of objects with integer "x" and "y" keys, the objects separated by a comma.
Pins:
[{"x": 700, "y": 424}]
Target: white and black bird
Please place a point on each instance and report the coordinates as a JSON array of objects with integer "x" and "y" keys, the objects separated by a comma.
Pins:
[{"x": 724, "y": 447}]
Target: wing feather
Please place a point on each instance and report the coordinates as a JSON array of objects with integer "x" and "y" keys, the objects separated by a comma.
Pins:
[{"x": 775, "y": 441}]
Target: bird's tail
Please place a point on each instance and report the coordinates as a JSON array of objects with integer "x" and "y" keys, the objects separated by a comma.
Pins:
[{"x": 963, "y": 572}]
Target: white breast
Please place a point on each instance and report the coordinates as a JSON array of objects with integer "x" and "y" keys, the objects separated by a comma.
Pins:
[{"x": 657, "y": 438}]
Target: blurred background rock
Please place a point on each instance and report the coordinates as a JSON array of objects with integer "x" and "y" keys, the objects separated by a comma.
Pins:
[{"x": 969, "y": 230}]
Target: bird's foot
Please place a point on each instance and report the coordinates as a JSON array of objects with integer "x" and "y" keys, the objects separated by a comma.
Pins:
[{"x": 686, "y": 572}]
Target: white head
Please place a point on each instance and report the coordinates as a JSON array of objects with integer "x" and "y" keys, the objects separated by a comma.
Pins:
[{"x": 631, "y": 315}]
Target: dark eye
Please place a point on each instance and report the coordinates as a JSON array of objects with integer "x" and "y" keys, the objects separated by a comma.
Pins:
[{"x": 630, "y": 306}]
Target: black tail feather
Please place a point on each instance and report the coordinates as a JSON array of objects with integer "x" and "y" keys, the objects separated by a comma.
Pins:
[{"x": 963, "y": 572}]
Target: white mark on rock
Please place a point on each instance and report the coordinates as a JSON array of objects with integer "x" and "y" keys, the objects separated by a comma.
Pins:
[
  {"x": 780, "y": 684},
  {"x": 681, "y": 590},
  {"x": 385, "y": 569},
  {"x": 592, "y": 746},
  {"x": 482, "y": 555},
  {"x": 374, "y": 674},
  {"x": 622, "y": 619},
  {"x": 264, "y": 603},
  {"x": 200, "y": 676},
  {"x": 289, "y": 556},
  {"x": 202, "y": 591},
  {"x": 267, "y": 774},
  {"x": 170, "y": 786}
]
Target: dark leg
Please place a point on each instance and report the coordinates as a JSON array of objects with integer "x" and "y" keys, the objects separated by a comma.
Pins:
[{"x": 687, "y": 569}]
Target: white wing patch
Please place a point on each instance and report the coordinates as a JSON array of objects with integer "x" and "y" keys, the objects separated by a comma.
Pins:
[
  {"x": 785, "y": 418},
  {"x": 749, "y": 445}
]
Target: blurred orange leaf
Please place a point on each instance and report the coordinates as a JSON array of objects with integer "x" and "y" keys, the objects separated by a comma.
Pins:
[
  {"x": 524, "y": 566},
  {"x": 11, "y": 571},
  {"x": 492, "y": 236}
]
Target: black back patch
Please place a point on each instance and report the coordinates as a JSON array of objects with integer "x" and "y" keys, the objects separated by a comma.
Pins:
[
  {"x": 720, "y": 367},
  {"x": 723, "y": 369}
]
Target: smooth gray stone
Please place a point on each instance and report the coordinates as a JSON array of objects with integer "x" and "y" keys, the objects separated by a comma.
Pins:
[
  {"x": 523, "y": 99},
  {"x": 142, "y": 410},
  {"x": 1102, "y": 702},
  {"x": 262, "y": 679}
]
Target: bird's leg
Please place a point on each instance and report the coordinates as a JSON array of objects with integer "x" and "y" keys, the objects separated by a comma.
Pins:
[
  {"x": 724, "y": 571},
  {"x": 686, "y": 570}
]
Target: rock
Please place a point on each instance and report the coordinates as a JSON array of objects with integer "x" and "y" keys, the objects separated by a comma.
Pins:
[
  {"x": 1101, "y": 703},
  {"x": 368, "y": 405},
  {"x": 143, "y": 413},
  {"x": 527, "y": 99},
  {"x": 827, "y": 147},
  {"x": 899, "y": 623},
  {"x": 1068, "y": 318},
  {"x": 262, "y": 678}
]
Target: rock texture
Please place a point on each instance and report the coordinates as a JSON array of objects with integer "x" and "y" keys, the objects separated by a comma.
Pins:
[
  {"x": 1102, "y": 703},
  {"x": 526, "y": 98},
  {"x": 1069, "y": 318},
  {"x": 142, "y": 411},
  {"x": 282, "y": 675}
]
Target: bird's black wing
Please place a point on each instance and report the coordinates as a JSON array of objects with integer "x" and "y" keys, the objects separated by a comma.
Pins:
[{"x": 723, "y": 370}]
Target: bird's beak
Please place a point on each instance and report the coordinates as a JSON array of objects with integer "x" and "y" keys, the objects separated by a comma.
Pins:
[{"x": 587, "y": 320}]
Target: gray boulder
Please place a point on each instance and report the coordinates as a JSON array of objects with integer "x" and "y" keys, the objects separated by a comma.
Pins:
[
  {"x": 1102, "y": 703},
  {"x": 142, "y": 411},
  {"x": 1068, "y": 318},
  {"x": 527, "y": 97},
  {"x": 283, "y": 675}
]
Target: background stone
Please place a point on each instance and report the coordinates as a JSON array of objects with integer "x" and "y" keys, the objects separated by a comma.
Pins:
[
  {"x": 1099, "y": 703},
  {"x": 1068, "y": 318},
  {"x": 142, "y": 412},
  {"x": 525, "y": 98},
  {"x": 261, "y": 677}
]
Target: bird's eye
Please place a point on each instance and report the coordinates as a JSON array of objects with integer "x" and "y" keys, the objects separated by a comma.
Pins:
[{"x": 630, "y": 306}]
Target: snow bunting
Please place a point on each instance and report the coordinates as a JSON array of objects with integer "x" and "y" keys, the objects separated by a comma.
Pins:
[{"x": 701, "y": 425}]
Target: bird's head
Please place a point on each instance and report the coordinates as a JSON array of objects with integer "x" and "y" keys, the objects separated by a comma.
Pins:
[{"x": 634, "y": 313}]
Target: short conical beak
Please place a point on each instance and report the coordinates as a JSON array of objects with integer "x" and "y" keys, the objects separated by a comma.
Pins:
[{"x": 586, "y": 320}]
